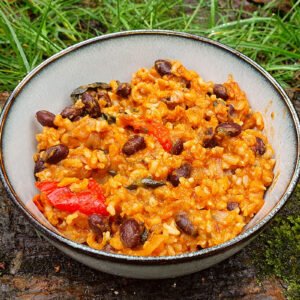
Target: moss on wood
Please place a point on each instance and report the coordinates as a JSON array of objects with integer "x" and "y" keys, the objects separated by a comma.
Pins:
[{"x": 277, "y": 250}]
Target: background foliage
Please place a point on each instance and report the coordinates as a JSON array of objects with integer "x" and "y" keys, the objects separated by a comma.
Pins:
[{"x": 33, "y": 30}]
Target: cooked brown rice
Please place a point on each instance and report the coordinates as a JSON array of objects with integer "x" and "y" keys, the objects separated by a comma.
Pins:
[{"x": 228, "y": 167}]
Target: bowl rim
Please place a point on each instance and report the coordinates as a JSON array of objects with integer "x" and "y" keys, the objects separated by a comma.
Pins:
[{"x": 146, "y": 260}]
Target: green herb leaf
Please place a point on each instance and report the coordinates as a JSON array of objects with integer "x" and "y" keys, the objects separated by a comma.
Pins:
[
  {"x": 149, "y": 182},
  {"x": 145, "y": 130},
  {"x": 146, "y": 183},
  {"x": 110, "y": 119},
  {"x": 92, "y": 86},
  {"x": 134, "y": 185},
  {"x": 112, "y": 173}
]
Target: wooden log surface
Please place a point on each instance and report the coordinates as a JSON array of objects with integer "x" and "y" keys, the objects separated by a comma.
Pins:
[{"x": 31, "y": 268}]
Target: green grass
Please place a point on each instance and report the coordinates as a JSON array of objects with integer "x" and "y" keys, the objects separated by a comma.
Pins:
[{"x": 33, "y": 30}]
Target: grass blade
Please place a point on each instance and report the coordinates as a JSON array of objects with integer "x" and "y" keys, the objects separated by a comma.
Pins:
[
  {"x": 14, "y": 39},
  {"x": 193, "y": 15},
  {"x": 44, "y": 16},
  {"x": 213, "y": 4},
  {"x": 270, "y": 49}
]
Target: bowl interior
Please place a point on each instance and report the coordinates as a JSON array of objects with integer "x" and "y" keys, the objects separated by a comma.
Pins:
[{"x": 118, "y": 58}]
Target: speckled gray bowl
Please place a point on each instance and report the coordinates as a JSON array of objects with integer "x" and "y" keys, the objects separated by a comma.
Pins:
[{"x": 117, "y": 56}]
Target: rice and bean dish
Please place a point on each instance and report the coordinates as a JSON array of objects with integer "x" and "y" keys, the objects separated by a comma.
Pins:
[{"x": 163, "y": 165}]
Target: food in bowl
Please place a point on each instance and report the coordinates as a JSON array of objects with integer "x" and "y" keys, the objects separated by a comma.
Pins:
[{"x": 164, "y": 165}]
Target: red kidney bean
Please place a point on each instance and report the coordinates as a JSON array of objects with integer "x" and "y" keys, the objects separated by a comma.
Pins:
[
  {"x": 231, "y": 110},
  {"x": 76, "y": 118},
  {"x": 55, "y": 154},
  {"x": 210, "y": 143},
  {"x": 183, "y": 171},
  {"x": 91, "y": 106},
  {"x": 108, "y": 248},
  {"x": 220, "y": 91},
  {"x": 184, "y": 224},
  {"x": 71, "y": 112},
  {"x": 209, "y": 131},
  {"x": 38, "y": 167},
  {"x": 232, "y": 205},
  {"x": 177, "y": 147},
  {"x": 260, "y": 147},
  {"x": 229, "y": 128},
  {"x": 45, "y": 118},
  {"x": 163, "y": 67},
  {"x": 99, "y": 224},
  {"x": 130, "y": 233},
  {"x": 229, "y": 171},
  {"x": 118, "y": 219},
  {"x": 104, "y": 95},
  {"x": 124, "y": 90},
  {"x": 133, "y": 145},
  {"x": 170, "y": 104}
]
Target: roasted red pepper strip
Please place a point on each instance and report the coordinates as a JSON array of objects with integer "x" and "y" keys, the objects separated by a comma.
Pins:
[
  {"x": 91, "y": 201},
  {"x": 152, "y": 127},
  {"x": 46, "y": 186}
]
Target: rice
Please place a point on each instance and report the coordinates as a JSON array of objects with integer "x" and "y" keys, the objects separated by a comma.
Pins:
[{"x": 229, "y": 166}]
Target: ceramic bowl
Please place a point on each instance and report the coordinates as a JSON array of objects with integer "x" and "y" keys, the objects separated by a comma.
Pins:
[{"x": 117, "y": 56}]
